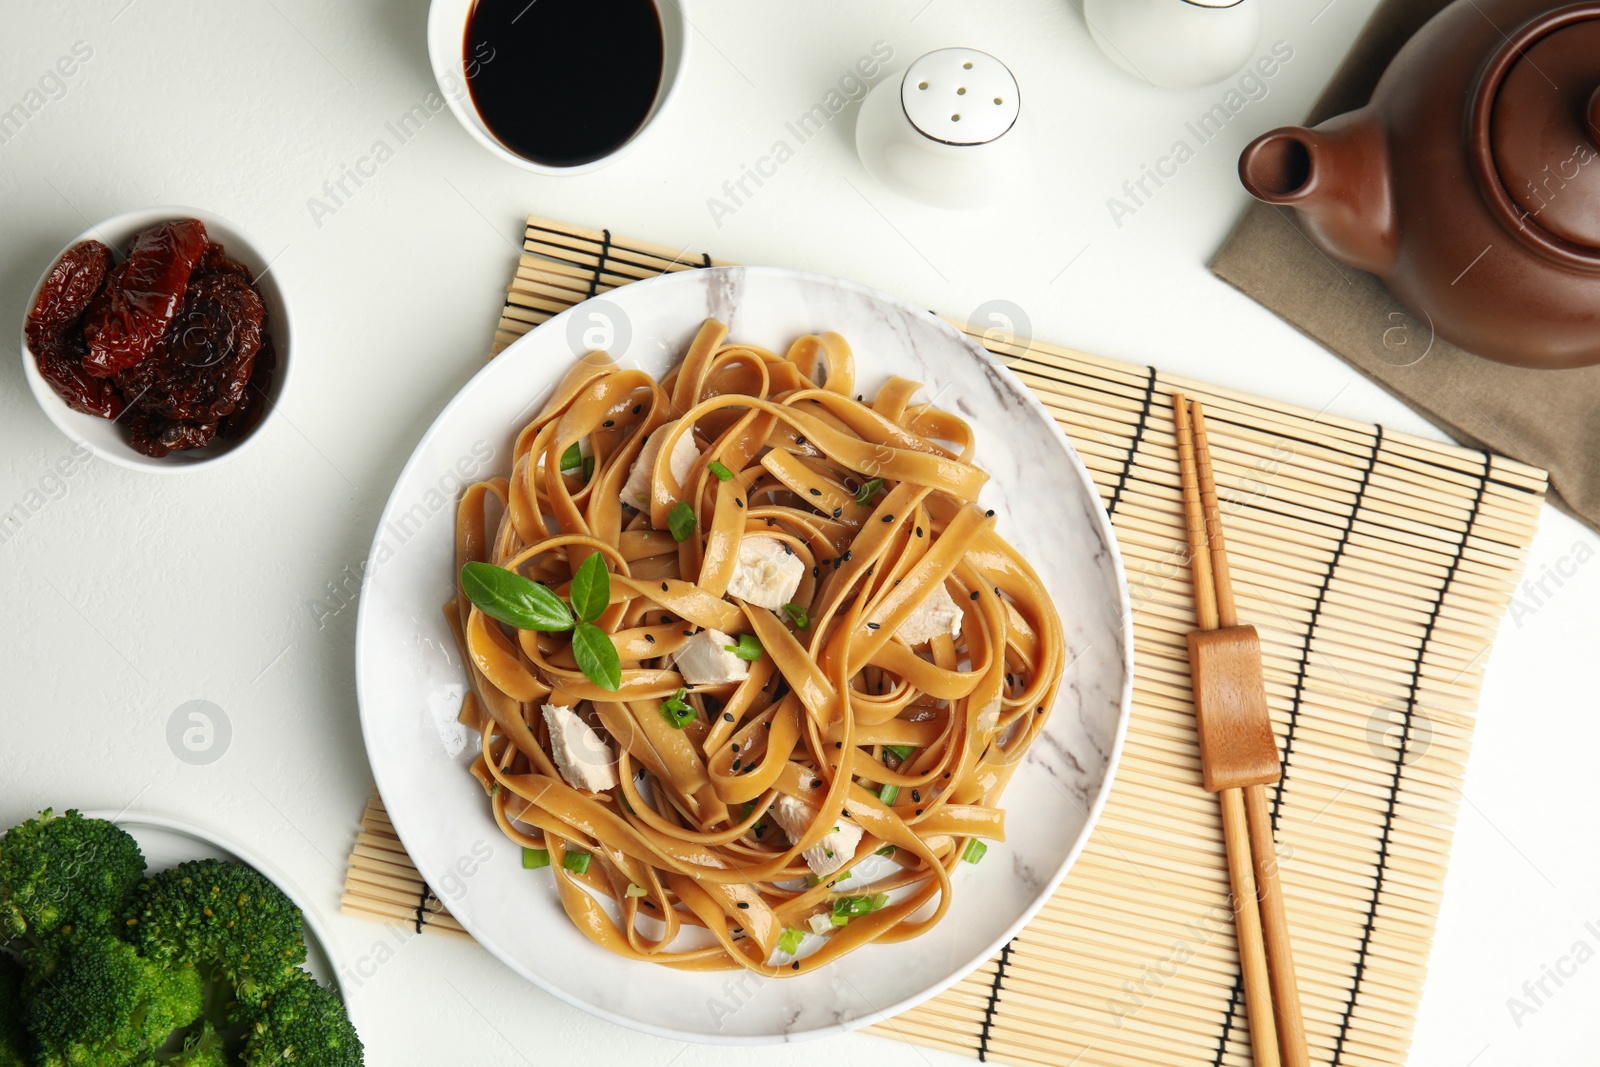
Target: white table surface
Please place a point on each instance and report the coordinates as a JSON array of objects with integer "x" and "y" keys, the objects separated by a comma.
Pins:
[{"x": 128, "y": 595}]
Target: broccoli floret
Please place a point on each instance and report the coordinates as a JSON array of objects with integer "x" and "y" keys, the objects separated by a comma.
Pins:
[
  {"x": 301, "y": 1023},
  {"x": 108, "y": 1005},
  {"x": 222, "y": 917},
  {"x": 16, "y": 1050},
  {"x": 203, "y": 1048},
  {"x": 62, "y": 876}
]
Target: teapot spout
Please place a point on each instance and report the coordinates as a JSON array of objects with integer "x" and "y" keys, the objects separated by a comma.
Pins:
[{"x": 1337, "y": 176}]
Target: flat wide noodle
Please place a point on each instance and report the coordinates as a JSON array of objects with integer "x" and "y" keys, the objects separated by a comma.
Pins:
[{"x": 683, "y": 862}]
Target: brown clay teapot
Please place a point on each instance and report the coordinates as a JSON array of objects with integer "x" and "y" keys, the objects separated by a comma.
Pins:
[{"x": 1470, "y": 183}]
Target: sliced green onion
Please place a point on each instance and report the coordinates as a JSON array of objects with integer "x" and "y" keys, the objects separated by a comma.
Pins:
[
  {"x": 790, "y": 940},
  {"x": 571, "y": 459},
  {"x": 534, "y": 858},
  {"x": 680, "y": 521},
  {"x": 588, "y": 468},
  {"x": 723, "y": 473},
  {"x": 637, "y": 891},
  {"x": 814, "y": 880},
  {"x": 576, "y": 861},
  {"x": 888, "y": 793},
  {"x": 847, "y": 908},
  {"x": 748, "y": 648},
  {"x": 676, "y": 710},
  {"x": 886, "y": 850},
  {"x": 797, "y": 615},
  {"x": 901, "y": 752},
  {"x": 494, "y": 790},
  {"x": 867, "y": 491},
  {"x": 976, "y": 850}
]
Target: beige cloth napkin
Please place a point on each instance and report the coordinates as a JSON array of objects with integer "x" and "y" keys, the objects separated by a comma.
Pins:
[{"x": 1550, "y": 419}]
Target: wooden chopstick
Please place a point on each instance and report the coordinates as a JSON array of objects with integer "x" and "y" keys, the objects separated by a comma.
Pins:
[
  {"x": 1267, "y": 965},
  {"x": 1235, "y": 823},
  {"x": 1286, "y": 1008}
]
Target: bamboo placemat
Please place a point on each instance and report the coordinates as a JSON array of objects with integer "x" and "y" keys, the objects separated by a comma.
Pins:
[{"x": 1377, "y": 567}]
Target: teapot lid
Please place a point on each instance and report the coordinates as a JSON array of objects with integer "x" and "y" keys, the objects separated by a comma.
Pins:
[{"x": 1544, "y": 125}]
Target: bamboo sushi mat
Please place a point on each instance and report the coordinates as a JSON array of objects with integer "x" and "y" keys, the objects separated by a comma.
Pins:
[{"x": 1376, "y": 566}]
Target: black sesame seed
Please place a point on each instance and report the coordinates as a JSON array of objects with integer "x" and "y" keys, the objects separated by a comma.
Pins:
[
  {"x": 736, "y": 746},
  {"x": 727, "y": 716},
  {"x": 663, "y": 587},
  {"x": 845, "y": 812},
  {"x": 816, "y": 783},
  {"x": 735, "y": 765},
  {"x": 997, "y": 590},
  {"x": 947, "y": 774},
  {"x": 787, "y": 550},
  {"x": 795, "y": 966},
  {"x": 916, "y": 795},
  {"x": 772, "y": 522},
  {"x": 816, "y": 492},
  {"x": 799, "y": 440},
  {"x": 838, "y": 512},
  {"x": 989, "y": 514},
  {"x": 838, "y": 744},
  {"x": 610, "y": 422},
  {"x": 872, "y": 626},
  {"x": 919, "y": 811},
  {"x": 919, "y": 531},
  {"x": 651, "y": 638},
  {"x": 738, "y": 501},
  {"x": 744, "y": 905},
  {"x": 638, "y": 408},
  {"x": 816, "y": 571},
  {"x": 665, "y": 619},
  {"x": 974, "y": 594},
  {"x": 847, "y": 555},
  {"x": 761, "y": 829},
  {"x": 688, "y": 633}
]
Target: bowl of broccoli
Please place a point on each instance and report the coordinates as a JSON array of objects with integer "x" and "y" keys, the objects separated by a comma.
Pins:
[{"x": 138, "y": 941}]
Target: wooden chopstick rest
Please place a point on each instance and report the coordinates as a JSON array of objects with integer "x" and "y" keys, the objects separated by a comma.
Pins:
[{"x": 1237, "y": 747}]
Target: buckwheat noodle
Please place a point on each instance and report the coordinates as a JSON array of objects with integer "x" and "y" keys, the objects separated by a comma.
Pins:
[{"x": 687, "y": 839}]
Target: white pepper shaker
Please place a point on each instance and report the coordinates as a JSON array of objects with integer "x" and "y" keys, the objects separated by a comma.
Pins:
[
  {"x": 1176, "y": 43},
  {"x": 948, "y": 132}
]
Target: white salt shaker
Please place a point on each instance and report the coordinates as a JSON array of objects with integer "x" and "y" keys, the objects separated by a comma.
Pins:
[
  {"x": 948, "y": 132},
  {"x": 1176, "y": 43}
]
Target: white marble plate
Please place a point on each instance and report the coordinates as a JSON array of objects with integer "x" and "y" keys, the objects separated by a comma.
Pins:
[{"x": 410, "y": 679}]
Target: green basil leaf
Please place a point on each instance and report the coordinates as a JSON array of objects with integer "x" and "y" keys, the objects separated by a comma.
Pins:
[
  {"x": 571, "y": 459},
  {"x": 680, "y": 521},
  {"x": 597, "y": 656},
  {"x": 591, "y": 588},
  {"x": 513, "y": 599}
]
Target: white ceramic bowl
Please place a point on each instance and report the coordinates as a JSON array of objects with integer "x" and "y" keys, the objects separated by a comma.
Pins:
[
  {"x": 168, "y": 842},
  {"x": 107, "y": 438},
  {"x": 410, "y": 679},
  {"x": 447, "y": 27}
]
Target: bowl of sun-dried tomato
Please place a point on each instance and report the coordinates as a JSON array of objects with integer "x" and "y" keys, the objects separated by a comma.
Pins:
[{"x": 159, "y": 340}]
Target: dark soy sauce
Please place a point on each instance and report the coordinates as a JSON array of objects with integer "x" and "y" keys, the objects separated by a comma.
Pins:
[{"x": 563, "y": 82}]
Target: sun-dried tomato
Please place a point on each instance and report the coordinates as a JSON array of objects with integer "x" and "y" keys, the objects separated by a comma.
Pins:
[
  {"x": 68, "y": 290},
  {"x": 60, "y": 359},
  {"x": 254, "y": 402},
  {"x": 199, "y": 370},
  {"x": 156, "y": 436},
  {"x": 214, "y": 260},
  {"x": 144, "y": 296}
]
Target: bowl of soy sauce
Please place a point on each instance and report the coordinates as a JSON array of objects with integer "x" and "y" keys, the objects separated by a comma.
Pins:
[{"x": 557, "y": 86}]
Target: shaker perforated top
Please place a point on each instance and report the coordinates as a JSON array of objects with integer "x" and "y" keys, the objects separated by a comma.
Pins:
[{"x": 960, "y": 96}]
